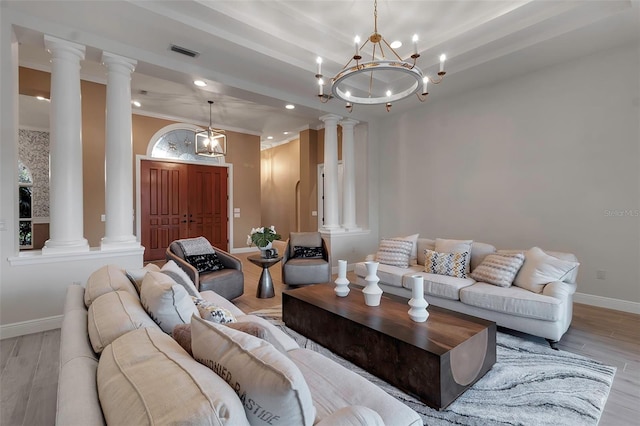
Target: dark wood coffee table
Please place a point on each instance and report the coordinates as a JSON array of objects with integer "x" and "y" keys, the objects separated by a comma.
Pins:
[{"x": 436, "y": 361}]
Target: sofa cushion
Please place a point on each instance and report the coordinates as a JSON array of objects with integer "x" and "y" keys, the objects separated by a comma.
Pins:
[
  {"x": 440, "y": 285},
  {"x": 114, "y": 314},
  {"x": 206, "y": 262},
  {"x": 389, "y": 275},
  {"x": 394, "y": 252},
  {"x": 176, "y": 273},
  {"x": 413, "y": 257},
  {"x": 133, "y": 393},
  {"x": 137, "y": 275},
  {"x": 303, "y": 239},
  {"x": 105, "y": 280},
  {"x": 540, "y": 268},
  {"x": 166, "y": 302},
  {"x": 334, "y": 387},
  {"x": 453, "y": 264},
  {"x": 513, "y": 301},
  {"x": 478, "y": 252},
  {"x": 269, "y": 384},
  {"x": 444, "y": 245},
  {"x": 216, "y": 299},
  {"x": 498, "y": 269},
  {"x": 275, "y": 336},
  {"x": 354, "y": 415},
  {"x": 424, "y": 244}
]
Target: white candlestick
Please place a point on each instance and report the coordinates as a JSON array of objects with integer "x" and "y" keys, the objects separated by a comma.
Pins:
[
  {"x": 357, "y": 42},
  {"x": 319, "y": 62},
  {"x": 443, "y": 57},
  {"x": 415, "y": 44},
  {"x": 425, "y": 81}
]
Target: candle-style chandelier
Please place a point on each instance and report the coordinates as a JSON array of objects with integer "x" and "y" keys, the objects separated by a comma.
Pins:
[
  {"x": 380, "y": 80},
  {"x": 211, "y": 142}
]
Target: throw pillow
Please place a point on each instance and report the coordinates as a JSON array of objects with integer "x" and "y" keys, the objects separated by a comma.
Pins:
[
  {"x": 498, "y": 269},
  {"x": 137, "y": 275},
  {"x": 182, "y": 334},
  {"x": 455, "y": 246},
  {"x": 451, "y": 264},
  {"x": 413, "y": 258},
  {"x": 268, "y": 383},
  {"x": 208, "y": 262},
  {"x": 210, "y": 312},
  {"x": 308, "y": 252},
  {"x": 539, "y": 269},
  {"x": 394, "y": 252},
  {"x": 172, "y": 269},
  {"x": 166, "y": 302}
]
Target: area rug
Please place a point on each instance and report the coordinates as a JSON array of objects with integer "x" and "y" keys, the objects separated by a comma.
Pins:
[{"x": 529, "y": 385}]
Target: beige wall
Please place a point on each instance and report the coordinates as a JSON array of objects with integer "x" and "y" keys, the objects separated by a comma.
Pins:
[
  {"x": 308, "y": 179},
  {"x": 243, "y": 154},
  {"x": 280, "y": 176},
  {"x": 548, "y": 159}
]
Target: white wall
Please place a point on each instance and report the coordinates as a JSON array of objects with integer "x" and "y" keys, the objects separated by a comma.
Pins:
[{"x": 543, "y": 159}]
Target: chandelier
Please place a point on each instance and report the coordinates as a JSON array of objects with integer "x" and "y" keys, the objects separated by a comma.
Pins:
[
  {"x": 211, "y": 142},
  {"x": 380, "y": 80}
]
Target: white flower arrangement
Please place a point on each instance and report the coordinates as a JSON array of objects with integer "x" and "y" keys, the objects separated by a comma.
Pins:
[{"x": 261, "y": 237}]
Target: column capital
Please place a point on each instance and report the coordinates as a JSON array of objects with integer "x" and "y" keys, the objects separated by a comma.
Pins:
[
  {"x": 57, "y": 45},
  {"x": 109, "y": 59},
  {"x": 331, "y": 118},
  {"x": 347, "y": 122}
]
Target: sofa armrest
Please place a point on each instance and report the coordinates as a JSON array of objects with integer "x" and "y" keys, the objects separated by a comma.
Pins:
[
  {"x": 228, "y": 260},
  {"x": 559, "y": 289},
  {"x": 186, "y": 266},
  {"x": 354, "y": 415}
]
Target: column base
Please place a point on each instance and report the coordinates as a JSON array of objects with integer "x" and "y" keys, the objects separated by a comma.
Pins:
[
  {"x": 119, "y": 243},
  {"x": 351, "y": 228},
  {"x": 332, "y": 229},
  {"x": 59, "y": 247}
]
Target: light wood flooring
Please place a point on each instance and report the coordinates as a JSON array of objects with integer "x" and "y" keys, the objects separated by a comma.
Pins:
[{"x": 29, "y": 364}]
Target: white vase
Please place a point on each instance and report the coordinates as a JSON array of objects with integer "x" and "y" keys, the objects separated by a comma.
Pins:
[
  {"x": 372, "y": 292},
  {"x": 264, "y": 249},
  {"x": 342, "y": 283},
  {"x": 418, "y": 304}
]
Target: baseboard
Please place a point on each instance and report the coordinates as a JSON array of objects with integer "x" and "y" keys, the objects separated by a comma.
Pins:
[
  {"x": 607, "y": 302},
  {"x": 244, "y": 250},
  {"x": 29, "y": 327}
]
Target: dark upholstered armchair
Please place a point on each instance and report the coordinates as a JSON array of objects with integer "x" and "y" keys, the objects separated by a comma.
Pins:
[
  {"x": 306, "y": 260},
  {"x": 227, "y": 282}
]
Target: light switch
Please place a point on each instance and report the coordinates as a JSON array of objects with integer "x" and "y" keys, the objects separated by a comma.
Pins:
[
  {"x": 103, "y": 217},
  {"x": 236, "y": 215},
  {"x": 236, "y": 209},
  {"x": 314, "y": 213}
]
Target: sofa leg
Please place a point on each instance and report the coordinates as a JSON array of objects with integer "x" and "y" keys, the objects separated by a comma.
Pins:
[{"x": 553, "y": 344}]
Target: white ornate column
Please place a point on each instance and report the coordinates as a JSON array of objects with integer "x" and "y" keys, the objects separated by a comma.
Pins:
[
  {"x": 119, "y": 152},
  {"x": 65, "y": 184},
  {"x": 349, "y": 175},
  {"x": 331, "y": 207}
]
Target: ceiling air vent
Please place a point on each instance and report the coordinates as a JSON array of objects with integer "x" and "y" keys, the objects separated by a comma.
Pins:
[{"x": 184, "y": 51}]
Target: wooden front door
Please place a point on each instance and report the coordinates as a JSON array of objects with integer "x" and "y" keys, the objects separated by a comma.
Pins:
[{"x": 181, "y": 201}]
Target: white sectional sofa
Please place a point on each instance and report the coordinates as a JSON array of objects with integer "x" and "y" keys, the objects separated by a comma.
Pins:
[
  {"x": 118, "y": 366},
  {"x": 546, "y": 314}
]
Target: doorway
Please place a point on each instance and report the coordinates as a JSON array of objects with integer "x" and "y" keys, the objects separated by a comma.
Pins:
[{"x": 180, "y": 200}]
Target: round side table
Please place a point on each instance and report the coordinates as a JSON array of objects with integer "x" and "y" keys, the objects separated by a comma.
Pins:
[{"x": 265, "y": 284}]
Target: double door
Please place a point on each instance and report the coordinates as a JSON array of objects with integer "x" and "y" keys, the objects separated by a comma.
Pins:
[{"x": 182, "y": 201}]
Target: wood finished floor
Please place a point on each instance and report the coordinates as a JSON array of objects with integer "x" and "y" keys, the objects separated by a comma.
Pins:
[{"x": 29, "y": 364}]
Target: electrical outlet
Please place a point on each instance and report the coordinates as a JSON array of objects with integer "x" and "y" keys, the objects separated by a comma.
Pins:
[{"x": 601, "y": 274}]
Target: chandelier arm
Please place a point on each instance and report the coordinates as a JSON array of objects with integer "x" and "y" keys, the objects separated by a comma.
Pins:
[
  {"x": 375, "y": 16},
  {"x": 422, "y": 97},
  {"x": 394, "y": 52},
  {"x": 436, "y": 80}
]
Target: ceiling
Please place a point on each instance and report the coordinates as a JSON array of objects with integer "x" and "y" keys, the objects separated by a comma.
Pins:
[{"x": 258, "y": 55}]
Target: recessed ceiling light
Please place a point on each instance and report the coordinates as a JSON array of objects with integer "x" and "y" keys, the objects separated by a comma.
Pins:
[
  {"x": 199, "y": 83},
  {"x": 136, "y": 104},
  {"x": 290, "y": 106},
  {"x": 286, "y": 133},
  {"x": 269, "y": 137},
  {"x": 396, "y": 44}
]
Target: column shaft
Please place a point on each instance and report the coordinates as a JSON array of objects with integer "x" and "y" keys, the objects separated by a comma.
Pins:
[
  {"x": 331, "y": 207},
  {"x": 118, "y": 151},
  {"x": 349, "y": 175},
  {"x": 66, "y": 199}
]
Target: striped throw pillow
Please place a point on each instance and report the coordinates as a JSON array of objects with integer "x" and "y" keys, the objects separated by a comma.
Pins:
[
  {"x": 498, "y": 269},
  {"x": 394, "y": 252},
  {"x": 451, "y": 264}
]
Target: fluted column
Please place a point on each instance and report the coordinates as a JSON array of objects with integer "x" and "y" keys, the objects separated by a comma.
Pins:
[
  {"x": 119, "y": 152},
  {"x": 65, "y": 184},
  {"x": 349, "y": 175},
  {"x": 331, "y": 207}
]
